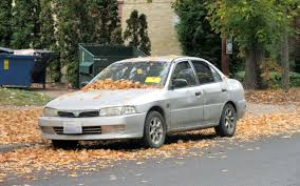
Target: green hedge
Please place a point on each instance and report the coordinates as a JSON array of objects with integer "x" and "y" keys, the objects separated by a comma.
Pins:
[{"x": 275, "y": 80}]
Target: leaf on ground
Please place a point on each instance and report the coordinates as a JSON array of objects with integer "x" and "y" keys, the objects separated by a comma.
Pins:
[{"x": 274, "y": 96}]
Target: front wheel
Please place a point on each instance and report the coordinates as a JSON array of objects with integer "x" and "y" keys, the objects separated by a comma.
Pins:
[
  {"x": 155, "y": 130},
  {"x": 227, "y": 125},
  {"x": 64, "y": 144}
]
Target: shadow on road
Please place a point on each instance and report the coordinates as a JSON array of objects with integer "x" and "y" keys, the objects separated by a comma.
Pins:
[{"x": 133, "y": 145}]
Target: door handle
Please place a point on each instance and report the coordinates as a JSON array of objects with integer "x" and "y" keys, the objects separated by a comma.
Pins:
[
  {"x": 224, "y": 89},
  {"x": 198, "y": 94}
]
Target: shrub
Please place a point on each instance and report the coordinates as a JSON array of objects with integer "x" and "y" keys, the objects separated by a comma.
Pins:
[{"x": 275, "y": 79}]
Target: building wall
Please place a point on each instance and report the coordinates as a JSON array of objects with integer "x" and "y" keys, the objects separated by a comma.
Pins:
[{"x": 161, "y": 22}]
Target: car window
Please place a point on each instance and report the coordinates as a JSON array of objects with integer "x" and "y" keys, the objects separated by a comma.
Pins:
[
  {"x": 183, "y": 70},
  {"x": 216, "y": 75},
  {"x": 204, "y": 73}
]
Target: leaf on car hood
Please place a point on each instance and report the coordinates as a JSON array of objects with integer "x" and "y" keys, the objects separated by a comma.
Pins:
[{"x": 109, "y": 84}]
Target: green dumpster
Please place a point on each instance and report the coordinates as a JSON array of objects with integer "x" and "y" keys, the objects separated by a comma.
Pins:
[{"x": 93, "y": 58}]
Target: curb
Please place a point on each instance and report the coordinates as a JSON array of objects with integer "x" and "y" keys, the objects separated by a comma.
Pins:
[{"x": 12, "y": 147}]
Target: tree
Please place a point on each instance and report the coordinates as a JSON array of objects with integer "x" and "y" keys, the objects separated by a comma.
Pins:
[
  {"x": 250, "y": 23},
  {"x": 48, "y": 38},
  {"x": 25, "y": 25},
  {"x": 145, "y": 44},
  {"x": 73, "y": 27},
  {"x": 194, "y": 31},
  {"x": 136, "y": 32},
  {"x": 5, "y": 20},
  {"x": 107, "y": 28},
  {"x": 289, "y": 10},
  {"x": 285, "y": 52},
  {"x": 116, "y": 36},
  {"x": 84, "y": 21},
  {"x": 255, "y": 25},
  {"x": 46, "y": 22},
  {"x": 131, "y": 32}
]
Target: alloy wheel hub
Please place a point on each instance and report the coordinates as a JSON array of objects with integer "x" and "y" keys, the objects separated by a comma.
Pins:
[
  {"x": 156, "y": 130},
  {"x": 229, "y": 119}
]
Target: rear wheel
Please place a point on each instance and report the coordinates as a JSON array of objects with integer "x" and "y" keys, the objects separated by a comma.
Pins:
[
  {"x": 228, "y": 122},
  {"x": 64, "y": 144},
  {"x": 154, "y": 130}
]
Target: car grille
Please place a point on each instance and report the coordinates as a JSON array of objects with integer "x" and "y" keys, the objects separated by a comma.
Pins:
[
  {"x": 85, "y": 130},
  {"x": 87, "y": 114}
]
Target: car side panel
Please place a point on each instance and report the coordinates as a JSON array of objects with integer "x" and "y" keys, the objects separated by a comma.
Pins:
[
  {"x": 215, "y": 96},
  {"x": 185, "y": 108},
  {"x": 237, "y": 96}
]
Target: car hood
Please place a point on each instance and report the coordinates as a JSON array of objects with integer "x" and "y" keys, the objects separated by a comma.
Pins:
[{"x": 98, "y": 99}]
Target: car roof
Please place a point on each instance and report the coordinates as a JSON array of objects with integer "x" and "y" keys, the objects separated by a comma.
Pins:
[{"x": 160, "y": 58}]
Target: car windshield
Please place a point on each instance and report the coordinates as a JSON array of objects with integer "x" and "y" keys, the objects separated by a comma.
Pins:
[
  {"x": 142, "y": 72},
  {"x": 131, "y": 75}
]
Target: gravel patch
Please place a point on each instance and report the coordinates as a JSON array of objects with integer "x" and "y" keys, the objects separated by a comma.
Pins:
[{"x": 261, "y": 109}]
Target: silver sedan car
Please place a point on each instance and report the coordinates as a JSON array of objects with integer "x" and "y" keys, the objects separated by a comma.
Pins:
[{"x": 186, "y": 93}]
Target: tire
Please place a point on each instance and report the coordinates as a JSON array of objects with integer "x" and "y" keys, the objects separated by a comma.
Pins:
[
  {"x": 64, "y": 144},
  {"x": 154, "y": 130},
  {"x": 227, "y": 125}
]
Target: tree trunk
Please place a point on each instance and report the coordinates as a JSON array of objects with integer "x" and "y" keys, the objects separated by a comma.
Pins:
[
  {"x": 225, "y": 57},
  {"x": 254, "y": 55},
  {"x": 57, "y": 70},
  {"x": 297, "y": 47},
  {"x": 297, "y": 56},
  {"x": 285, "y": 58},
  {"x": 285, "y": 63}
]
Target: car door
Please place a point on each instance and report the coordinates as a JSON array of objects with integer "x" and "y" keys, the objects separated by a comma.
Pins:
[
  {"x": 186, "y": 103},
  {"x": 214, "y": 91}
]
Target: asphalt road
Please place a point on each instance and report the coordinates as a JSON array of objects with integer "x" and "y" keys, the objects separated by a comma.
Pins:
[{"x": 271, "y": 162}]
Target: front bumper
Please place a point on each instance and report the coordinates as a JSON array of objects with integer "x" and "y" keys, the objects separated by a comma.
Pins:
[{"x": 127, "y": 127}]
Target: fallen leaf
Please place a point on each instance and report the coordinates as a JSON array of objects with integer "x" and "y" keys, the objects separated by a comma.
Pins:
[{"x": 73, "y": 175}]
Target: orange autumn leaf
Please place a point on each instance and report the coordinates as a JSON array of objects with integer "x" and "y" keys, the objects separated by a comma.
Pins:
[{"x": 98, "y": 96}]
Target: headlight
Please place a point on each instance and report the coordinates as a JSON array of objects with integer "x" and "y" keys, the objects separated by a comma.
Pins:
[
  {"x": 50, "y": 112},
  {"x": 117, "y": 111}
]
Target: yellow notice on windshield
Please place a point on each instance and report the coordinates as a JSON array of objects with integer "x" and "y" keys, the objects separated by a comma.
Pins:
[
  {"x": 153, "y": 80},
  {"x": 6, "y": 64}
]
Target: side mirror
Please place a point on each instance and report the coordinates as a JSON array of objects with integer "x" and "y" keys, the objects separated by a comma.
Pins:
[
  {"x": 179, "y": 83},
  {"x": 83, "y": 84}
]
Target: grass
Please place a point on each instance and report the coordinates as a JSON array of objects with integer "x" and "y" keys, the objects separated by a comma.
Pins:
[{"x": 18, "y": 97}]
